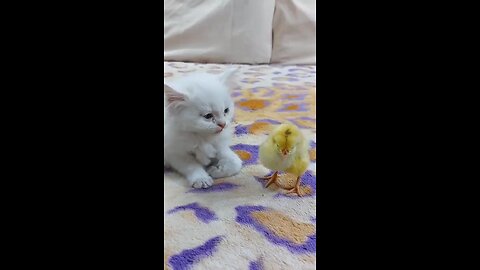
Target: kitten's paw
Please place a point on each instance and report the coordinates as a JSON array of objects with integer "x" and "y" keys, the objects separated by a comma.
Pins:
[
  {"x": 236, "y": 163},
  {"x": 202, "y": 182},
  {"x": 225, "y": 167},
  {"x": 216, "y": 171}
]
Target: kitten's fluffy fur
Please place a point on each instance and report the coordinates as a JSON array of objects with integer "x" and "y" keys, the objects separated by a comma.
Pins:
[{"x": 195, "y": 144}]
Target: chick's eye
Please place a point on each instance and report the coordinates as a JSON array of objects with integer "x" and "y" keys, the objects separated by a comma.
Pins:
[
  {"x": 227, "y": 110},
  {"x": 208, "y": 116}
]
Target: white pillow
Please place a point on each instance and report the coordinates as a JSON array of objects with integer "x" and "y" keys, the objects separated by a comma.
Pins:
[
  {"x": 219, "y": 31},
  {"x": 294, "y": 32}
]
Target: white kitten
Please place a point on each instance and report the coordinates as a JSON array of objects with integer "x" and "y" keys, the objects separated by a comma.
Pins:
[{"x": 198, "y": 128}]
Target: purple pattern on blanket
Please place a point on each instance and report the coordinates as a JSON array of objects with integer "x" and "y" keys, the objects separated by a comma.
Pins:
[
  {"x": 221, "y": 187},
  {"x": 288, "y": 87},
  {"x": 251, "y": 80},
  {"x": 267, "y": 92},
  {"x": 185, "y": 259},
  {"x": 251, "y": 149},
  {"x": 256, "y": 265},
  {"x": 307, "y": 119},
  {"x": 202, "y": 213},
  {"x": 241, "y": 130},
  {"x": 236, "y": 94},
  {"x": 300, "y": 75},
  {"x": 244, "y": 217},
  {"x": 299, "y": 70},
  {"x": 273, "y": 122}
]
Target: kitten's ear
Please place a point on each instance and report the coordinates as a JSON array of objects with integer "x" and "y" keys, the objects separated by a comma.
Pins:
[
  {"x": 173, "y": 96},
  {"x": 228, "y": 77}
]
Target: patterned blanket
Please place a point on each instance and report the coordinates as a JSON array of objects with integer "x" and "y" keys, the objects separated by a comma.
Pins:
[{"x": 239, "y": 224}]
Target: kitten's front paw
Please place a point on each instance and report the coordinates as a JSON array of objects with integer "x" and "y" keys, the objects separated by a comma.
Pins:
[
  {"x": 225, "y": 167},
  {"x": 202, "y": 182},
  {"x": 237, "y": 164}
]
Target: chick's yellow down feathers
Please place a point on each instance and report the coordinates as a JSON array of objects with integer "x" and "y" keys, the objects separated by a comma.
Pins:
[{"x": 286, "y": 150}]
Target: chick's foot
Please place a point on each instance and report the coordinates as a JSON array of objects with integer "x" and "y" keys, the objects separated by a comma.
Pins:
[
  {"x": 296, "y": 189},
  {"x": 271, "y": 179}
]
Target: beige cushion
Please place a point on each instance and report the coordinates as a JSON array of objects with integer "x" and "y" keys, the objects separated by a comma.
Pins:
[
  {"x": 294, "y": 32},
  {"x": 218, "y": 31}
]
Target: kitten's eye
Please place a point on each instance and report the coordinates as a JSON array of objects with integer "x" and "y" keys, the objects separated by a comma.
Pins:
[
  {"x": 208, "y": 116},
  {"x": 227, "y": 110}
]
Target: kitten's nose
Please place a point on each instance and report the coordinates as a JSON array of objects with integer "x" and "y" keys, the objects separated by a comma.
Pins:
[{"x": 222, "y": 125}]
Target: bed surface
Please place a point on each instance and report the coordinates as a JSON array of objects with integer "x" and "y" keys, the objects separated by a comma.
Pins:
[{"x": 239, "y": 224}]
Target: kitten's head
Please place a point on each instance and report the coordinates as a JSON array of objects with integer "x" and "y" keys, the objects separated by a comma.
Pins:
[{"x": 200, "y": 103}]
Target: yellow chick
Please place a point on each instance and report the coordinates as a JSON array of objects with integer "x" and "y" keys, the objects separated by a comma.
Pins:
[{"x": 286, "y": 150}]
